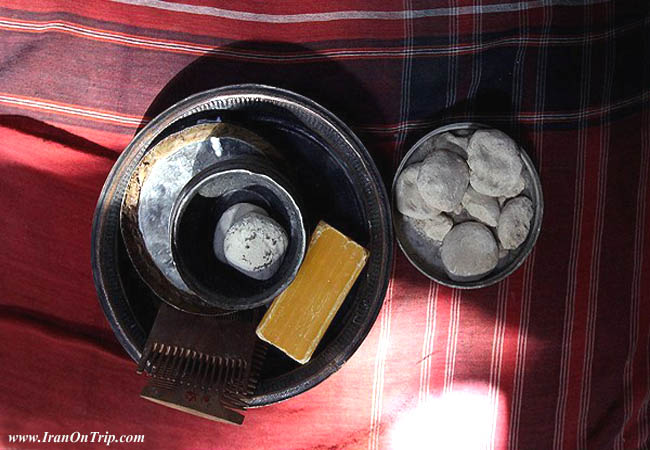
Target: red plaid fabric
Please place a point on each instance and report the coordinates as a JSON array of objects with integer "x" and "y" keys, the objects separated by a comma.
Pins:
[{"x": 556, "y": 356}]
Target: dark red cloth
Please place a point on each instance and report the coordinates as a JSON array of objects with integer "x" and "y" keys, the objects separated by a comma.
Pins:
[{"x": 556, "y": 356}]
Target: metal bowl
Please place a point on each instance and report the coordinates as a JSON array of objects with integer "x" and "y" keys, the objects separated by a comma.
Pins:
[
  {"x": 194, "y": 218},
  {"x": 426, "y": 258},
  {"x": 153, "y": 189}
]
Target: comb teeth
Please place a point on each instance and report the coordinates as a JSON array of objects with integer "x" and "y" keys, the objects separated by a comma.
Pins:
[
  {"x": 191, "y": 368},
  {"x": 170, "y": 365},
  {"x": 257, "y": 361}
]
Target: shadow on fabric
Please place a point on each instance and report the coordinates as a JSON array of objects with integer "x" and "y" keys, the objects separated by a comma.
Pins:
[
  {"x": 324, "y": 80},
  {"x": 47, "y": 132}
]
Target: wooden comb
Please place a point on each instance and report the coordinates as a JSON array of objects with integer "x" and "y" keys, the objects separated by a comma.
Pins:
[{"x": 204, "y": 365}]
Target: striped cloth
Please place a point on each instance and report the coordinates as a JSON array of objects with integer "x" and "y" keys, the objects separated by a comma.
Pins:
[{"x": 556, "y": 356}]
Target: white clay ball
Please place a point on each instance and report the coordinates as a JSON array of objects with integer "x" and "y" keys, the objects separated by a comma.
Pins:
[
  {"x": 514, "y": 222},
  {"x": 481, "y": 207},
  {"x": 494, "y": 162},
  {"x": 255, "y": 245},
  {"x": 435, "y": 228},
  {"x": 442, "y": 180},
  {"x": 451, "y": 142},
  {"x": 469, "y": 251},
  {"x": 227, "y": 219},
  {"x": 407, "y": 196}
]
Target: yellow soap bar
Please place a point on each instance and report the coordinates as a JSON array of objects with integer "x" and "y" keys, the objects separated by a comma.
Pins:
[{"x": 298, "y": 318}]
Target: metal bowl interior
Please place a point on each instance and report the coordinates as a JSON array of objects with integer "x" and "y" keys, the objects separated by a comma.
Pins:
[
  {"x": 198, "y": 209},
  {"x": 337, "y": 181},
  {"x": 427, "y": 259}
]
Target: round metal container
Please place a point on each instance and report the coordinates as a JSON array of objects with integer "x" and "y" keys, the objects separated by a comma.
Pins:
[
  {"x": 213, "y": 191},
  {"x": 427, "y": 259},
  {"x": 337, "y": 181},
  {"x": 167, "y": 166}
]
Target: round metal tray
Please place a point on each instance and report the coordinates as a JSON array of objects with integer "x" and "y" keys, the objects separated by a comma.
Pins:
[
  {"x": 338, "y": 183},
  {"x": 427, "y": 260}
]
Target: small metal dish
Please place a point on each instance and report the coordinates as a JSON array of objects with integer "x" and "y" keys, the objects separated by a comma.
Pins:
[
  {"x": 426, "y": 258},
  {"x": 194, "y": 218}
]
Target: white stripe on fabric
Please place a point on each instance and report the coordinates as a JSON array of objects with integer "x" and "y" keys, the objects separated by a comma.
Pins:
[
  {"x": 452, "y": 340},
  {"x": 524, "y": 315},
  {"x": 477, "y": 68},
  {"x": 250, "y": 55},
  {"x": 497, "y": 357},
  {"x": 81, "y": 112},
  {"x": 347, "y": 15},
  {"x": 569, "y": 312},
  {"x": 520, "y": 360},
  {"x": 452, "y": 61},
  {"x": 381, "y": 357},
  {"x": 428, "y": 343},
  {"x": 597, "y": 242},
  {"x": 644, "y": 434},
  {"x": 518, "y": 93},
  {"x": 643, "y": 414},
  {"x": 637, "y": 277},
  {"x": 406, "y": 84}
]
